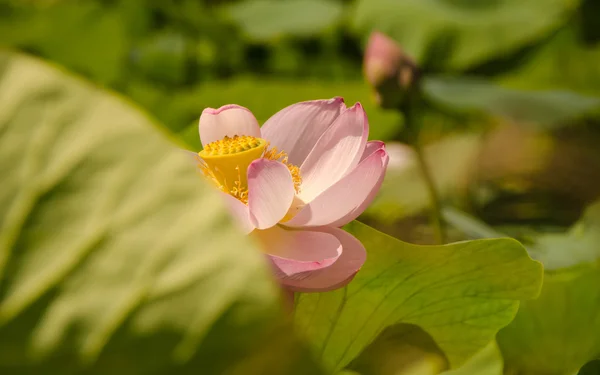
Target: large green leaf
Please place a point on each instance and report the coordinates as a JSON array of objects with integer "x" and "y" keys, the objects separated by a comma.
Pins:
[
  {"x": 560, "y": 331},
  {"x": 401, "y": 349},
  {"x": 487, "y": 362},
  {"x": 268, "y": 19},
  {"x": 544, "y": 108},
  {"x": 580, "y": 244},
  {"x": 115, "y": 257},
  {"x": 459, "y": 33},
  {"x": 405, "y": 349},
  {"x": 461, "y": 294}
]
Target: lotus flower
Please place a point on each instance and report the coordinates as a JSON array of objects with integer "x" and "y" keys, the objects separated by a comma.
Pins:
[{"x": 294, "y": 182}]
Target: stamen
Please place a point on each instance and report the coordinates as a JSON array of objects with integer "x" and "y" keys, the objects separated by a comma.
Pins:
[
  {"x": 231, "y": 145},
  {"x": 282, "y": 156},
  {"x": 226, "y": 161}
]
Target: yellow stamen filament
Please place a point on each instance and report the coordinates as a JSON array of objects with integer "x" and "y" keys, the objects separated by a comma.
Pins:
[
  {"x": 274, "y": 154},
  {"x": 226, "y": 161}
]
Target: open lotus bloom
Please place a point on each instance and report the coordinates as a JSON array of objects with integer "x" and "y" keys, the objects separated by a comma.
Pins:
[{"x": 294, "y": 182}]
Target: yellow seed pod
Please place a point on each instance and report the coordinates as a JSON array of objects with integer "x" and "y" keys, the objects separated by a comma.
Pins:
[{"x": 229, "y": 158}]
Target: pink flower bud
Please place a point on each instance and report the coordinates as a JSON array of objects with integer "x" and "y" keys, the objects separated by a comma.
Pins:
[
  {"x": 382, "y": 59},
  {"x": 392, "y": 73}
]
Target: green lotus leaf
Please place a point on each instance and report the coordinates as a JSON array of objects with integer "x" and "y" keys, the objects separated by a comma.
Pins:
[
  {"x": 115, "y": 257},
  {"x": 460, "y": 294}
]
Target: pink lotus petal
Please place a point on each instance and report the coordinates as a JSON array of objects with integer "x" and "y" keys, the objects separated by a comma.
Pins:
[
  {"x": 229, "y": 120},
  {"x": 297, "y": 251},
  {"x": 270, "y": 192},
  {"x": 338, "y": 274},
  {"x": 240, "y": 213},
  {"x": 296, "y": 128},
  {"x": 346, "y": 199},
  {"x": 337, "y": 151},
  {"x": 371, "y": 147}
]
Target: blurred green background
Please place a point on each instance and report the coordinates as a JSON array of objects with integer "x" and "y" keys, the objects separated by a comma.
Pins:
[
  {"x": 511, "y": 120},
  {"x": 176, "y": 57}
]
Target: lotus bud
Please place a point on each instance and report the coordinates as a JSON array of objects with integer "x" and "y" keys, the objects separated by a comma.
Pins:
[{"x": 391, "y": 72}]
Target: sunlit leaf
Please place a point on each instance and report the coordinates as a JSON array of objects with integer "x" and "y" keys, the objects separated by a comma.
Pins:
[
  {"x": 560, "y": 331},
  {"x": 267, "y": 19},
  {"x": 461, "y": 294},
  {"x": 487, "y": 362},
  {"x": 115, "y": 257},
  {"x": 544, "y": 108},
  {"x": 457, "y": 33},
  {"x": 580, "y": 244}
]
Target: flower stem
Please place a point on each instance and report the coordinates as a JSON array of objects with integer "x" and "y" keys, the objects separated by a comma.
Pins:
[
  {"x": 436, "y": 208},
  {"x": 288, "y": 300}
]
